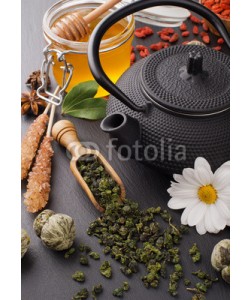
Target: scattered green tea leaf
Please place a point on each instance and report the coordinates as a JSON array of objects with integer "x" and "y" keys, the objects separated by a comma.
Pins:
[
  {"x": 69, "y": 252},
  {"x": 79, "y": 276},
  {"x": 94, "y": 255},
  {"x": 84, "y": 260},
  {"x": 195, "y": 253},
  {"x": 96, "y": 290},
  {"x": 83, "y": 294},
  {"x": 106, "y": 270}
]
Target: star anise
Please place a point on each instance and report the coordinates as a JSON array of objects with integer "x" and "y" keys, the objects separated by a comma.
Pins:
[
  {"x": 31, "y": 102},
  {"x": 34, "y": 80}
]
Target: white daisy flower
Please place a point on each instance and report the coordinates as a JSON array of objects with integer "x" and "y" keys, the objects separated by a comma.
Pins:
[{"x": 204, "y": 195}]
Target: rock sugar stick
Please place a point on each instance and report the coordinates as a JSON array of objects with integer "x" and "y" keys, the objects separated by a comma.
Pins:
[{"x": 38, "y": 188}]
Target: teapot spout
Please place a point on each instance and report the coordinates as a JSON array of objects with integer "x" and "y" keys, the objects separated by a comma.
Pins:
[{"x": 124, "y": 130}]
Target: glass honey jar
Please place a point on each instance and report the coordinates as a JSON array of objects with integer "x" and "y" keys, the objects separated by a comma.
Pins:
[{"x": 69, "y": 59}]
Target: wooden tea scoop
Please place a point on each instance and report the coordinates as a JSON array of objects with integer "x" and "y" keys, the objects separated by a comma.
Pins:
[
  {"x": 74, "y": 26},
  {"x": 64, "y": 132}
]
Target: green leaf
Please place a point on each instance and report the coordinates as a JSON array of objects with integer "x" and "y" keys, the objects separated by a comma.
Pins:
[
  {"x": 79, "y": 102},
  {"x": 91, "y": 109},
  {"x": 79, "y": 92}
]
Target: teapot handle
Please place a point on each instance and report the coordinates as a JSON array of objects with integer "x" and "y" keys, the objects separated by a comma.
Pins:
[{"x": 107, "y": 22}]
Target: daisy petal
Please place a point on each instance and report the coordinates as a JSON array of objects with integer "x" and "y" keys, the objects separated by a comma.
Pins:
[
  {"x": 197, "y": 214},
  {"x": 208, "y": 222},
  {"x": 183, "y": 193},
  {"x": 183, "y": 186},
  {"x": 188, "y": 209},
  {"x": 179, "y": 178},
  {"x": 200, "y": 227},
  {"x": 225, "y": 200},
  {"x": 178, "y": 203},
  {"x": 202, "y": 162},
  {"x": 221, "y": 179},
  {"x": 218, "y": 221},
  {"x": 225, "y": 191},
  {"x": 227, "y": 163},
  {"x": 223, "y": 209},
  {"x": 204, "y": 175},
  {"x": 189, "y": 175}
]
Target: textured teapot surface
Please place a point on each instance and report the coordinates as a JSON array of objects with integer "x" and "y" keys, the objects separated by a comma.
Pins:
[
  {"x": 171, "y": 141},
  {"x": 176, "y": 105}
]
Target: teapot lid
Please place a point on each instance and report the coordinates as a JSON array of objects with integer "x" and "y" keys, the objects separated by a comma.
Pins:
[{"x": 190, "y": 80}]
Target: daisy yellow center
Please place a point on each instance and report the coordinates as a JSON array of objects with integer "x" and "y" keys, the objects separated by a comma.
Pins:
[{"x": 207, "y": 194}]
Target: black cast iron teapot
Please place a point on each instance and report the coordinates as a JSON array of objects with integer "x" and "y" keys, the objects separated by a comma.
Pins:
[{"x": 173, "y": 106}]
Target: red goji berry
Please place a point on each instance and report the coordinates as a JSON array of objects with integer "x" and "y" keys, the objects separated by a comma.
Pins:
[
  {"x": 216, "y": 6},
  {"x": 218, "y": 48},
  {"x": 155, "y": 47},
  {"x": 210, "y": 2},
  {"x": 140, "y": 47},
  {"x": 168, "y": 31},
  {"x": 195, "y": 30},
  {"x": 132, "y": 57},
  {"x": 166, "y": 45},
  {"x": 183, "y": 27},
  {"x": 174, "y": 38},
  {"x": 148, "y": 30},
  {"x": 220, "y": 41},
  {"x": 165, "y": 37},
  {"x": 218, "y": 10},
  {"x": 225, "y": 13},
  {"x": 208, "y": 5},
  {"x": 143, "y": 32},
  {"x": 144, "y": 53},
  {"x": 132, "y": 49},
  {"x": 205, "y": 26},
  {"x": 206, "y": 39},
  {"x": 203, "y": 33},
  {"x": 225, "y": 6},
  {"x": 140, "y": 34},
  {"x": 195, "y": 20},
  {"x": 185, "y": 33}
]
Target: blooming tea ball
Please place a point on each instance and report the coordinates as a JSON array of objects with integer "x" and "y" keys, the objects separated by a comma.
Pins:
[
  {"x": 25, "y": 242},
  {"x": 225, "y": 273},
  {"x": 58, "y": 232},
  {"x": 220, "y": 259},
  {"x": 41, "y": 219}
]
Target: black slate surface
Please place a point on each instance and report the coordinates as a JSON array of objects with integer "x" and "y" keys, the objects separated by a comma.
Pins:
[{"x": 46, "y": 275}]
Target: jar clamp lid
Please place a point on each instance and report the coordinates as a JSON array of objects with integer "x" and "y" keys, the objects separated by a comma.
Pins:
[{"x": 58, "y": 48}]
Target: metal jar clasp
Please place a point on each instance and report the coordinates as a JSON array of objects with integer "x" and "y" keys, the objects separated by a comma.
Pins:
[{"x": 67, "y": 72}]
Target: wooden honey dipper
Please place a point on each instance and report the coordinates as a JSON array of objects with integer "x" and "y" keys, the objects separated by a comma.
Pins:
[
  {"x": 64, "y": 132},
  {"x": 74, "y": 26}
]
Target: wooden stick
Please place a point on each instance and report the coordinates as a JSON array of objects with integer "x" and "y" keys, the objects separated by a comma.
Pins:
[
  {"x": 51, "y": 118},
  {"x": 47, "y": 109},
  {"x": 52, "y": 113},
  {"x": 96, "y": 13},
  {"x": 49, "y": 105}
]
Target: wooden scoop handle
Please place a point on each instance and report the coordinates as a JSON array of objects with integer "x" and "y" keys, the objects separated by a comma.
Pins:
[
  {"x": 64, "y": 132},
  {"x": 96, "y": 13}
]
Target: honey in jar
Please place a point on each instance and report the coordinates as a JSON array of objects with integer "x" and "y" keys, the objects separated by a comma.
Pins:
[{"x": 114, "y": 49}]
